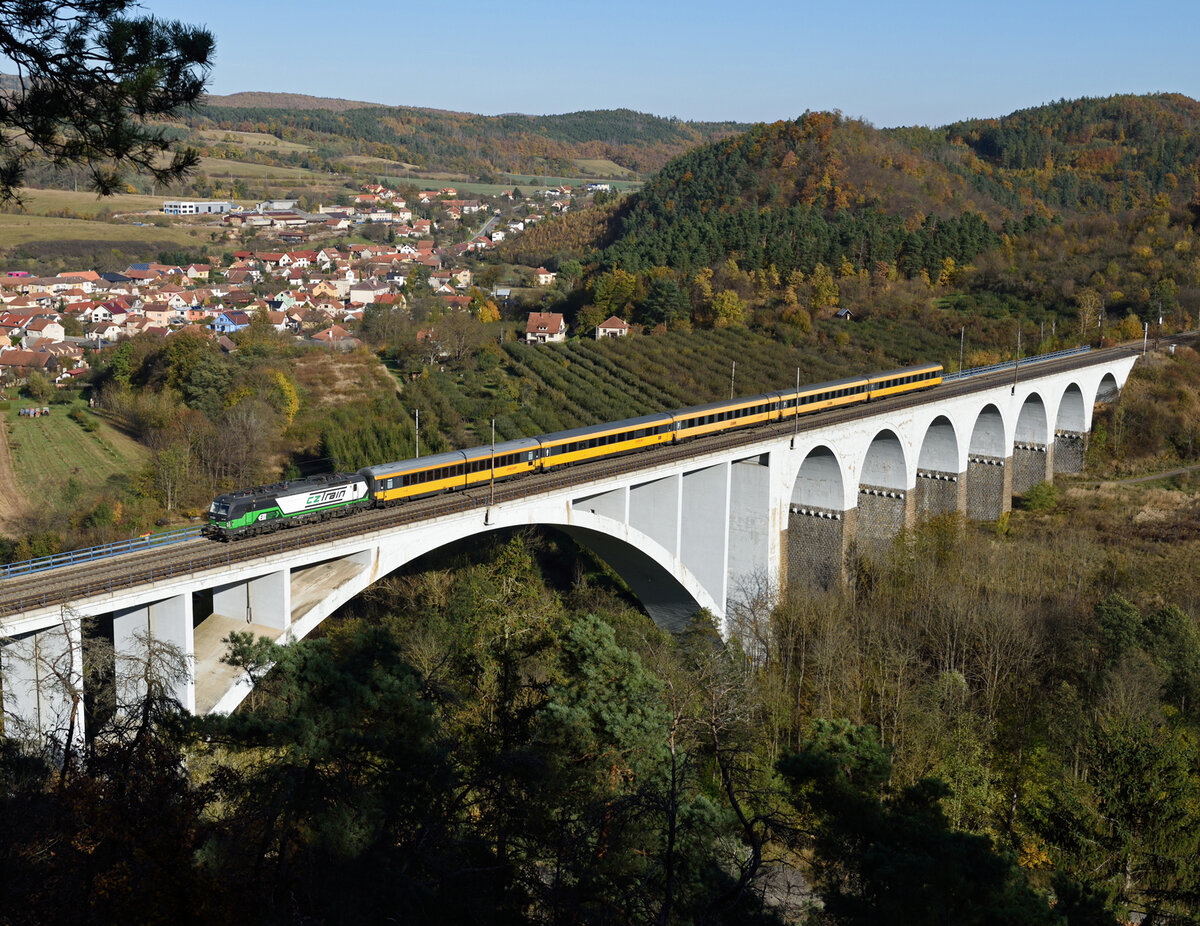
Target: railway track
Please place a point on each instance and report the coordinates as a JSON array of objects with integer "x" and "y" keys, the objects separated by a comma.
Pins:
[{"x": 71, "y": 583}]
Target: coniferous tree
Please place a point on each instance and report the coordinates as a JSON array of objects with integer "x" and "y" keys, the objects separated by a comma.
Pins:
[{"x": 88, "y": 76}]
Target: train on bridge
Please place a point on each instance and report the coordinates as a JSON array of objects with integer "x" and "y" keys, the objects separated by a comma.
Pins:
[{"x": 267, "y": 508}]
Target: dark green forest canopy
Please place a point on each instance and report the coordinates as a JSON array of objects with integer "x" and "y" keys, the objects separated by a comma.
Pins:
[{"x": 1155, "y": 135}]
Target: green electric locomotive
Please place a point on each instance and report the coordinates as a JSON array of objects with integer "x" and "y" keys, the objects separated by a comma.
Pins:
[{"x": 283, "y": 504}]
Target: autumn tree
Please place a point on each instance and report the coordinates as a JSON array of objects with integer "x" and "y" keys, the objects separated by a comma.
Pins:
[
  {"x": 882, "y": 855},
  {"x": 823, "y": 290},
  {"x": 728, "y": 309},
  {"x": 459, "y": 333},
  {"x": 1090, "y": 309}
]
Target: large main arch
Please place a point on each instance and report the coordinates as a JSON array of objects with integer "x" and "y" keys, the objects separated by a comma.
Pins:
[{"x": 668, "y": 591}]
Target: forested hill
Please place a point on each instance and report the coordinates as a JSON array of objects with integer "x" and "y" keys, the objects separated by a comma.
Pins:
[
  {"x": 844, "y": 190},
  {"x": 463, "y": 142},
  {"x": 1108, "y": 154},
  {"x": 821, "y": 189},
  {"x": 1091, "y": 203},
  {"x": 258, "y": 99}
]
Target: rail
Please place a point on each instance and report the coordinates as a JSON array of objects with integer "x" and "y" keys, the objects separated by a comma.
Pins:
[
  {"x": 1014, "y": 364},
  {"x": 102, "y": 551}
]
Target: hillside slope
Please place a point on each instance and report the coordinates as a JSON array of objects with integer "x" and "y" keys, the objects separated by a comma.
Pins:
[
  {"x": 436, "y": 139},
  {"x": 252, "y": 99}
]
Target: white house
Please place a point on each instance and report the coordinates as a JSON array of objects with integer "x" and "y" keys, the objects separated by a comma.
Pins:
[
  {"x": 613, "y": 327},
  {"x": 545, "y": 328}
]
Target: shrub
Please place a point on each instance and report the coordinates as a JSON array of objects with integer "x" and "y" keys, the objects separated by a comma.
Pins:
[
  {"x": 1042, "y": 497},
  {"x": 83, "y": 419}
]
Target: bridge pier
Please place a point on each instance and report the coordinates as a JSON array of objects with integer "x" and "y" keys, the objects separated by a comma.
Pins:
[
  {"x": 653, "y": 508},
  {"x": 704, "y": 527},
  {"x": 41, "y": 683},
  {"x": 817, "y": 546},
  {"x": 751, "y": 556},
  {"x": 265, "y": 600},
  {"x": 989, "y": 487},
  {"x": 614, "y": 504},
  {"x": 140, "y": 636},
  {"x": 1070, "y": 450},
  {"x": 882, "y": 514},
  {"x": 937, "y": 493},
  {"x": 1032, "y": 463}
]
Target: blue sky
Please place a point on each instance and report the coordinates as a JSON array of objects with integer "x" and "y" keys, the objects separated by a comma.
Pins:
[{"x": 924, "y": 62}]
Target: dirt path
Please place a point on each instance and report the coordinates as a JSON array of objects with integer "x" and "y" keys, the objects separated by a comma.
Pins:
[
  {"x": 12, "y": 503},
  {"x": 1154, "y": 477}
]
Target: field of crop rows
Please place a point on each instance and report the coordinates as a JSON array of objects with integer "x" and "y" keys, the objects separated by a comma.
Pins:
[{"x": 537, "y": 389}]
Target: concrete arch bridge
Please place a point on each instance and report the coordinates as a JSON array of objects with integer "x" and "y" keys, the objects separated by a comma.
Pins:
[{"x": 687, "y": 526}]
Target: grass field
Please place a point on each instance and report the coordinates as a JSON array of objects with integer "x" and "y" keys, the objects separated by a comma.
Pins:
[
  {"x": 250, "y": 140},
  {"x": 525, "y": 184},
  {"x": 84, "y": 203},
  {"x": 17, "y": 230},
  {"x": 51, "y": 451},
  {"x": 383, "y": 165},
  {"x": 541, "y": 180},
  {"x": 217, "y": 168},
  {"x": 602, "y": 167},
  {"x": 396, "y": 174}
]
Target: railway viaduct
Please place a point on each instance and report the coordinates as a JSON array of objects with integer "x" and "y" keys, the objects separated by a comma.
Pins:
[{"x": 687, "y": 527}]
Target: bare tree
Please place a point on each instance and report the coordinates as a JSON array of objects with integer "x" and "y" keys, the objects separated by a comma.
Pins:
[
  {"x": 751, "y": 605},
  {"x": 51, "y": 670}
]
